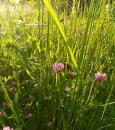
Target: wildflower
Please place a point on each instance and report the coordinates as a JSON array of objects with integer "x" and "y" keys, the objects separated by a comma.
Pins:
[
  {"x": 72, "y": 74},
  {"x": 58, "y": 67},
  {"x": 7, "y": 128},
  {"x": 99, "y": 77},
  {"x": 29, "y": 116}
]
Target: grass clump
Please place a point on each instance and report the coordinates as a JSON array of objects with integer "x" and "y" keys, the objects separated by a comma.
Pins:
[{"x": 57, "y": 70}]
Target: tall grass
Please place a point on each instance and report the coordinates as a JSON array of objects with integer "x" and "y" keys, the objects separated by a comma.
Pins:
[{"x": 40, "y": 34}]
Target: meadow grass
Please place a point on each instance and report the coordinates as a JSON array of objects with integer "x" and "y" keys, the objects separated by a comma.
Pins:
[{"x": 36, "y": 35}]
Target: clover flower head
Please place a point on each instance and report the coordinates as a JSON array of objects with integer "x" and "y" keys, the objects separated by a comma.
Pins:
[
  {"x": 99, "y": 77},
  {"x": 7, "y": 128},
  {"x": 58, "y": 67}
]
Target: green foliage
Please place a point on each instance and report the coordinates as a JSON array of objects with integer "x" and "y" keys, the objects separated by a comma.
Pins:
[{"x": 36, "y": 34}]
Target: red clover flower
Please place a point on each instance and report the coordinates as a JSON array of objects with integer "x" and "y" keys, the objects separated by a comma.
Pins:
[
  {"x": 58, "y": 67},
  {"x": 7, "y": 128},
  {"x": 99, "y": 77}
]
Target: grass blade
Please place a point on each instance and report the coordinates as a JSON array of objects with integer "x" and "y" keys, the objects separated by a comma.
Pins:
[{"x": 55, "y": 19}]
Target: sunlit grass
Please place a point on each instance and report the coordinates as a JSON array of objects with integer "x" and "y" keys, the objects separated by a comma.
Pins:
[{"x": 36, "y": 35}]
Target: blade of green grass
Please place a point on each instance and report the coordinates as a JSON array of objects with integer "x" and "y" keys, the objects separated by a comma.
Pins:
[{"x": 55, "y": 19}]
